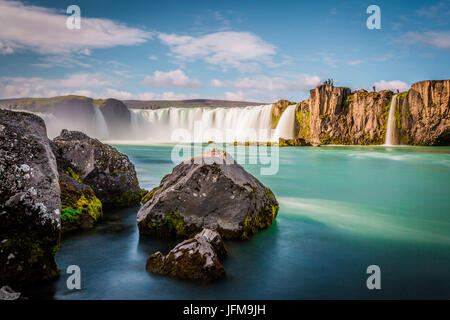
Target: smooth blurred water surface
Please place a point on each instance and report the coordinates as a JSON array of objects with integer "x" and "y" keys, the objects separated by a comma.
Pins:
[{"x": 341, "y": 210}]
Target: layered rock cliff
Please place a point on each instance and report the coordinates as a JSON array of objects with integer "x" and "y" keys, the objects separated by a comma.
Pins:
[
  {"x": 423, "y": 114},
  {"x": 335, "y": 115}
]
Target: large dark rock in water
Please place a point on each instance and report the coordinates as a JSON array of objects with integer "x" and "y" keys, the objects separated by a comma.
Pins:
[
  {"x": 107, "y": 171},
  {"x": 80, "y": 208},
  {"x": 195, "y": 259},
  {"x": 209, "y": 190},
  {"x": 29, "y": 201}
]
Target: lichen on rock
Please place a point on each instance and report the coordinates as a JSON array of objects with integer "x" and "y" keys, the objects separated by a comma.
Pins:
[
  {"x": 210, "y": 190},
  {"x": 195, "y": 259},
  {"x": 29, "y": 201},
  {"x": 109, "y": 173}
]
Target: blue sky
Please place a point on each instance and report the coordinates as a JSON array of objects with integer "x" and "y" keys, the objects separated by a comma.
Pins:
[{"x": 236, "y": 50}]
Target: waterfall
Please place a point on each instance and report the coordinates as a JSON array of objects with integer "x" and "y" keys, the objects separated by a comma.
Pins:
[
  {"x": 101, "y": 127},
  {"x": 390, "y": 132},
  {"x": 197, "y": 125},
  {"x": 285, "y": 126},
  {"x": 202, "y": 124}
]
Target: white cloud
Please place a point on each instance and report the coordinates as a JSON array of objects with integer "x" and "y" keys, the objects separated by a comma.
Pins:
[
  {"x": 80, "y": 83},
  {"x": 6, "y": 48},
  {"x": 301, "y": 82},
  {"x": 174, "y": 78},
  {"x": 384, "y": 57},
  {"x": 117, "y": 94},
  {"x": 434, "y": 11},
  {"x": 44, "y": 31},
  {"x": 235, "y": 96},
  {"x": 153, "y": 57},
  {"x": 435, "y": 39},
  {"x": 392, "y": 85},
  {"x": 166, "y": 96},
  {"x": 217, "y": 83},
  {"x": 66, "y": 61},
  {"x": 241, "y": 50},
  {"x": 354, "y": 62}
]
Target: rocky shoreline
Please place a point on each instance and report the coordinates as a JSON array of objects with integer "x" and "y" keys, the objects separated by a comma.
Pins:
[
  {"x": 49, "y": 188},
  {"x": 52, "y": 187}
]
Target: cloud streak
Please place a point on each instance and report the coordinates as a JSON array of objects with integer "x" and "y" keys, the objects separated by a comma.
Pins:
[
  {"x": 392, "y": 85},
  {"x": 80, "y": 83},
  {"x": 242, "y": 50},
  {"x": 439, "y": 40},
  {"x": 42, "y": 30},
  {"x": 174, "y": 78},
  {"x": 301, "y": 82}
]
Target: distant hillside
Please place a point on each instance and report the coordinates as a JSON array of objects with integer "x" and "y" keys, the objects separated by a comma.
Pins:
[
  {"x": 47, "y": 104},
  {"x": 157, "y": 104}
]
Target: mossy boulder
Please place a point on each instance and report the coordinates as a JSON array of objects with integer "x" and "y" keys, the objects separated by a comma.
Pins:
[
  {"x": 194, "y": 259},
  {"x": 30, "y": 222},
  {"x": 80, "y": 208},
  {"x": 212, "y": 191},
  {"x": 109, "y": 173}
]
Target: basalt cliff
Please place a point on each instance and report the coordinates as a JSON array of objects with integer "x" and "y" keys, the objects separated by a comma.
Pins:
[{"x": 336, "y": 115}]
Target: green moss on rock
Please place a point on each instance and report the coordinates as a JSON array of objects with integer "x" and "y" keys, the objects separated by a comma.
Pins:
[{"x": 80, "y": 208}]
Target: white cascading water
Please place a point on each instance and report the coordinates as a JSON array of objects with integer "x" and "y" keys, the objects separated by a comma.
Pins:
[
  {"x": 203, "y": 124},
  {"x": 285, "y": 126},
  {"x": 197, "y": 125},
  {"x": 391, "y": 123},
  {"x": 100, "y": 123}
]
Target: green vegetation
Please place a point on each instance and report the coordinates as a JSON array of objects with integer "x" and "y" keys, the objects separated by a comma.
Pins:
[
  {"x": 69, "y": 213},
  {"x": 349, "y": 100},
  {"x": 303, "y": 121},
  {"x": 173, "y": 223},
  {"x": 71, "y": 173},
  {"x": 402, "y": 96}
]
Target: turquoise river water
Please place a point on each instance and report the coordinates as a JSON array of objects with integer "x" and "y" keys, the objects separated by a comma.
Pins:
[{"x": 341, "y": 210}]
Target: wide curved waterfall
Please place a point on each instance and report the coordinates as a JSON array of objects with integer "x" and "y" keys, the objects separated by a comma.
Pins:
[
  {"x": 390, "y": 132},
  {"x": 175, "y": 125},
  {"x": 203, "y": 124},
  {"x": 285, "y": 126}
]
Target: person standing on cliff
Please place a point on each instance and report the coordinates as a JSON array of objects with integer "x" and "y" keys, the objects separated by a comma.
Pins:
[
  {"x": 374, "y": 90},
  {"x": 332, "y": 82}
]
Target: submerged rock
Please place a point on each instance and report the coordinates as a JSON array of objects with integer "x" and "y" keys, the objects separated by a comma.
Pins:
[
  {"x": 196, "y": 258},
  {"x": 29, "y": 200},
  {"x": 6, "y": 293},
  {"x": 107, "y": 171},
  {"x": 80, "y": 208},
  {"x": 298, "y": 142},
  {"x": 209, "y": 190}
]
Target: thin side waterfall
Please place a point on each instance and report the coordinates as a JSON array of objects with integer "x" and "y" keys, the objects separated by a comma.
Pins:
[
  {"x": 202, "y": 124},
  {"x": 101, "y": 127},
  {"x": 285, "y": 126},
  {"x": 390, "y": 132}
]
